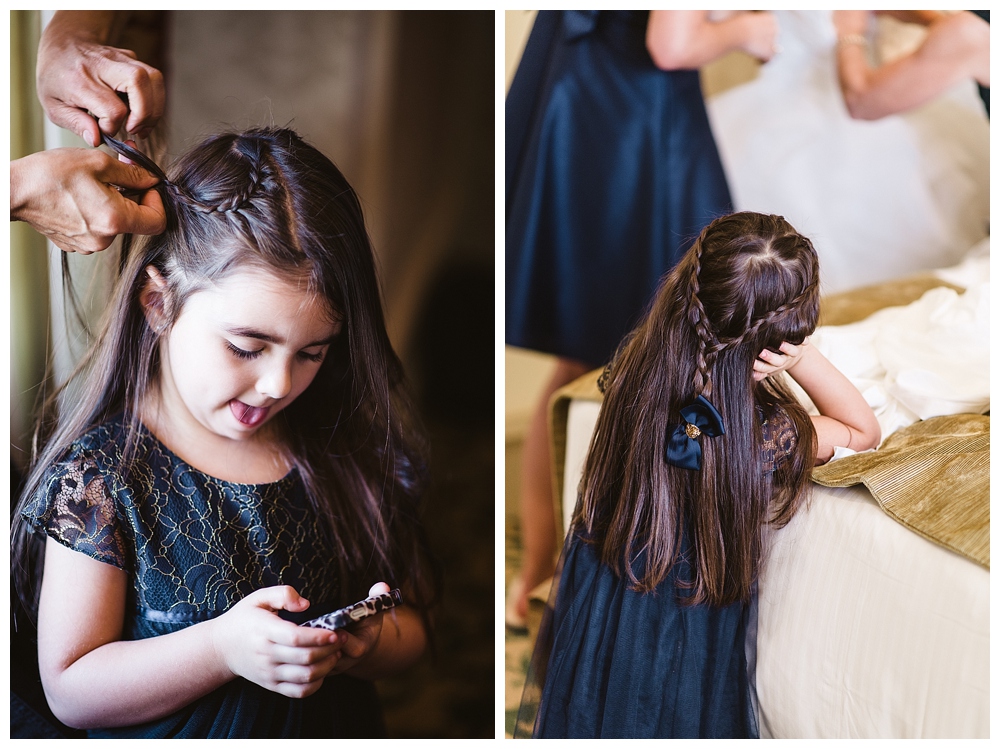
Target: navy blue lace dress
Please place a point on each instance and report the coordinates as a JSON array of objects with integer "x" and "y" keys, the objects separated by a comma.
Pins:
[
  {"x": 611, "y": 173},
  {"x": 193, "y": 546},
  {"x": 613, "y": 663}
]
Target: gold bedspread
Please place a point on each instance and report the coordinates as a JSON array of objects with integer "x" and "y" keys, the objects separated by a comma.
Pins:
[{"x": 932, "y": 476}]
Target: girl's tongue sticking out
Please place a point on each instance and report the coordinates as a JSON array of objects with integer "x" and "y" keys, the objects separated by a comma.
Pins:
[{"x": 247, "y": 415}]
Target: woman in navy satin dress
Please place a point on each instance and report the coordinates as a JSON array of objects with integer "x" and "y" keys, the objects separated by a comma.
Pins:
[{"x": 611, "y": 172}]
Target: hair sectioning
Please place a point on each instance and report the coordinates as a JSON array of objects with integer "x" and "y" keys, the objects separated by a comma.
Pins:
[{"x": 749, "y": 282}]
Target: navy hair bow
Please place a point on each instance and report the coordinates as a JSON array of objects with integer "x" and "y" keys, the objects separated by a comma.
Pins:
[{"x": 683, "y": 448}]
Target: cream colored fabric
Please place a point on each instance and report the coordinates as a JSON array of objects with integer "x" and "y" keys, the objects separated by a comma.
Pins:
[
  {"x": 933, "y": 477},
  {"x": 865, "y": 629}
]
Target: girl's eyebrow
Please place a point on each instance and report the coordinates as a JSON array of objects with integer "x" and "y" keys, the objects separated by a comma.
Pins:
[{"x": 268, "y": 338}]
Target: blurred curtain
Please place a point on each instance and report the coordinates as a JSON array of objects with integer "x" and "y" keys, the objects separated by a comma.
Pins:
[{"x": 29, "y": 295}]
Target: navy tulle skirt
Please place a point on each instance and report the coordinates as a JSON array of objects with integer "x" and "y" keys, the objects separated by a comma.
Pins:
[
  {"x": 611, "y": 173},
  {"x": 613, "y": 663}
]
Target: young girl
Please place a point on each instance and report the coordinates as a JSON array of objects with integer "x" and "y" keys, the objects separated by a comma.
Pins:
[
  {"x": 235, "y": 453},
  {"x": 699, "y": 450}
]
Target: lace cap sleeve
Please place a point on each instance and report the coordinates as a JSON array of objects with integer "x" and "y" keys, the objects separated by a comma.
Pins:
[
  {"x": 780, "y": 439},
  {"x": 73, "y": 506}
]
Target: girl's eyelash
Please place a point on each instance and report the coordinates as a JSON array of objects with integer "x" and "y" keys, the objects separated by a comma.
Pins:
[
  {"x": 313, "y": 357},
  {"x": 242, "y": 353}
]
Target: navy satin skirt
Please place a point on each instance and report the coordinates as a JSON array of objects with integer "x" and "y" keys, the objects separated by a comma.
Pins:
[{"x": 611, "y": 173}]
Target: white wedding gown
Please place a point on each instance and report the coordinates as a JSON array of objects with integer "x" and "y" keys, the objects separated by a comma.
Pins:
[{"x": 881, "y": 199}]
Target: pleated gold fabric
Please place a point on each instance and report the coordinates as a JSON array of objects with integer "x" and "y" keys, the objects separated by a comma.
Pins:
[{"x": 933, "y": 477}]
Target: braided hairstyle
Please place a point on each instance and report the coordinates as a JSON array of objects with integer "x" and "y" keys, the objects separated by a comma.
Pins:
[
  {"x": 749, "y": 282},
  {"x": 267, "y": 199}
]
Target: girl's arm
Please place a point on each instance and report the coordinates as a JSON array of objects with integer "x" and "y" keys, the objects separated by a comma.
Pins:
[
  {"x": 689, "y": 39},
  {"x": 93, "y": 679},
  {"x": 845, "y": 419}
]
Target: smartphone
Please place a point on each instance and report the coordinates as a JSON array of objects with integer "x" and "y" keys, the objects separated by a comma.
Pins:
[{"x": 345, "y": 617}]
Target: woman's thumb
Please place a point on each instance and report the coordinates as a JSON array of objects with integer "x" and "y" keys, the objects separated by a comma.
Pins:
[{"x": 130, "y": 175}]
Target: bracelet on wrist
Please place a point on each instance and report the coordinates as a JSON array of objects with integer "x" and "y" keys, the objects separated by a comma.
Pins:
[{"x": 847, "y": 40}]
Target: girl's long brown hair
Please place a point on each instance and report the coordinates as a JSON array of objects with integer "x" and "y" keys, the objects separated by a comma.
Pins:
[
  {"x": 267, "y": 198},
  {"x": 748, "y": 283}
]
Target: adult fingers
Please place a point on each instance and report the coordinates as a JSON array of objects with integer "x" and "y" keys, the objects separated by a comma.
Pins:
[
  {"x": 148, "y": 107},
  {"x": 142, "y": 84},
  {"x": 76, "y": 120},
  {"x": 126, "y": 174},
  {"x": 146, "y": 217}
]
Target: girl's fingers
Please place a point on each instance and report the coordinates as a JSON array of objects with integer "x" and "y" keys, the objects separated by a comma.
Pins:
[
  {"x": 294, "y": 674},
  {"x": 303, "y": 656},
  {"x": 768, "y": 362},
  {"x": 286, "y": 634}
]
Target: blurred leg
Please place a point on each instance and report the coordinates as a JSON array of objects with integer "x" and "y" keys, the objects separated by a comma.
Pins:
[{"x": 538, "y": 520}]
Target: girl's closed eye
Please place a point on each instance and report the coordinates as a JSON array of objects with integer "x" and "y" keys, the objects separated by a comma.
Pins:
[
  {"x": 242, "y": 353},
  {"x": 315, "y": 357}
]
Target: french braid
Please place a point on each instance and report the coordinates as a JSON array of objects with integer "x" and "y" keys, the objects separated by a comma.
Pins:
[
  {"x": 709, "y": 343},
  {"x": 707, "y": 351},
  {"x": 180, "y": 195}
]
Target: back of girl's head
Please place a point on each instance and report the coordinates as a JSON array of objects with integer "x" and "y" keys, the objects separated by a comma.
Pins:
[
  {"x": 266, "y": 199},
  {"x": 749, "y": 282}
]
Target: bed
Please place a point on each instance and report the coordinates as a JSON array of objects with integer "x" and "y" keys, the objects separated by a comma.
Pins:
[{"x": 873, "y": 606}]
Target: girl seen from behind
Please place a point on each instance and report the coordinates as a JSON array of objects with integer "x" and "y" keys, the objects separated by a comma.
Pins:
[
  {"x": 237, "y": 455},
  {"x": 699, "y": 450}
]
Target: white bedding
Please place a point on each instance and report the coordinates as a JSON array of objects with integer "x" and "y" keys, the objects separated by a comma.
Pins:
[{"x": 867, "y": 630}]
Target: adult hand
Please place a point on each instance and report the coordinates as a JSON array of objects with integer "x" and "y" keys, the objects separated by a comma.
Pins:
[
  {"x": 761, "y": 38},
  {"x": 770, "y": 363},
  {"x": 79, "y": 79},
  {"x": 70, "y": 196},
  {"x": 362, "y": 639},
  {"x": 278, "y": 655}
]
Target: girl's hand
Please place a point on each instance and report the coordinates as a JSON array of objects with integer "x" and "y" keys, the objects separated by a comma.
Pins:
[
  {"x": 278, "y": 655},
  {"x": 362, "y": 639},
  {"x": 769, "y": 362}
]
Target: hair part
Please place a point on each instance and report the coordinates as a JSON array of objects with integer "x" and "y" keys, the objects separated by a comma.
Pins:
[{"x": 748, "y": 282}]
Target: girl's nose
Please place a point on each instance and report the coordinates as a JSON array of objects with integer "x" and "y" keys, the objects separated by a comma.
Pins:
[{"x": 276, "y": 381}]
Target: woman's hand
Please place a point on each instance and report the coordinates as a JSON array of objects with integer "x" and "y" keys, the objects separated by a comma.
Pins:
[
  {"x": 761, "y": 35},
  {"x": 79, "y": 78},
  {"x": 770, "y": 362},
  {"x": 278, "y": 655},
  {"x": 70, "y": 195}
]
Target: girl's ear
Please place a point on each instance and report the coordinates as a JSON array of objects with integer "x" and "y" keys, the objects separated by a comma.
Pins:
[{"x": 155, "y": 300}]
